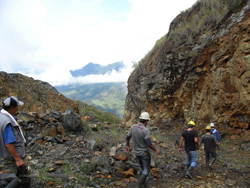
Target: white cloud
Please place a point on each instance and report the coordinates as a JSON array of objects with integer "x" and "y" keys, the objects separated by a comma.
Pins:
[
  {"x": 61, "y": 76},
  {"x": 45, "y": 39}
]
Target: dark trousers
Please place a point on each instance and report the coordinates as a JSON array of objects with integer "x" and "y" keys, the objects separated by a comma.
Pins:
[
  {"x": 213, "y": 154},
  {"x": 144, "y": 163}
]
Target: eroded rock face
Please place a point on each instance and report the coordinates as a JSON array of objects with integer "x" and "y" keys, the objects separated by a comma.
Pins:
[
  {"x": 37, "y": 96},
  {"x": 174, "y": 86}
]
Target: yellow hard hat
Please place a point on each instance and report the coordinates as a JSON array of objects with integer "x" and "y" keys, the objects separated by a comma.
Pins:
[
  {"x": 191, "y": 122},
  {"x": 208, "y": 127}
]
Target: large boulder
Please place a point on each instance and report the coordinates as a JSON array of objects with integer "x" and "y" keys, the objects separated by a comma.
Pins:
[{"x": 71, "y": 121}]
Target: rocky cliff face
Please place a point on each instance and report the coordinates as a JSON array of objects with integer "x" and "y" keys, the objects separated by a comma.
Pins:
[
  {"x": 205, "y": 80},
  {"x": 37, "y": 96}
]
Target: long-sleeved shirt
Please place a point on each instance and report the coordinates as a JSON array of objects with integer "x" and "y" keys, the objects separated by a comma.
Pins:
[{"x": 216, "y": 133}]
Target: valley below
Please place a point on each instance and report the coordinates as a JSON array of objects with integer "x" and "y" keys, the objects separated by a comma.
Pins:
[{"x": 109, "y": 97}]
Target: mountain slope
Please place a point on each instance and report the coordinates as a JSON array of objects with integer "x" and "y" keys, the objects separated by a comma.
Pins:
[
  {"x": 200, "y": 72},
  {"x": 38, "y": 96},
  {"x": 109, "y": 97}
]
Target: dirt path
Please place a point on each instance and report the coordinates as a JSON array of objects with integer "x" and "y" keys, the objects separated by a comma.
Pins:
[{"x": 232, "y": 168}]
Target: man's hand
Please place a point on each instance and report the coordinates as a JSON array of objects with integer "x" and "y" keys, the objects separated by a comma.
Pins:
[
  {"x": 19, "y": 163},
  {"x": 179, "y": 150},
  {"x": 158, "y": 151},
  {"x": 127, "y": 149}
]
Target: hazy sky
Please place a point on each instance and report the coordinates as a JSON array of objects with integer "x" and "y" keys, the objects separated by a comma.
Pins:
[{"x": 44, "y": 39}]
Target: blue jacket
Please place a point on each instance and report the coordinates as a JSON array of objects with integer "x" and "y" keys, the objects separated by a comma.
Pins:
[{"x": 216, "y": 133}]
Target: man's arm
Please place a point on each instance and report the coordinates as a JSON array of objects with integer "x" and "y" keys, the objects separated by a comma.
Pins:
[
  {"x": 153, "y": 148},
  {"x": 180, "y": 145},
  {"x": 199, "y": 145},
  {"x": 216, "y": 142},
  {"x": 127, "y": 144},
  {"x": 201, "y": 142},
  {"x": 9, "y": 138},
  {"x": 11, "y": 148},
  {"x": 196, "y": 142},
  {"x": 217, "y": 136}
]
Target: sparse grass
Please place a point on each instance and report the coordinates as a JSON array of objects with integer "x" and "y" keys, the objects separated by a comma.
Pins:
[
  {"x": 211, "y": 13},
  {"x": 156, "y": 136},
  {"x": 88, "y": 128},
  {"x": 193, "y": 54},
  {"x": 98, "y": 140},
  {"x": 66, "y": 168},
  {"x": 114, "y": 133},
  {"x": 96, "y": 114},
  {"x": 43, "y": 176},
  {"x": 99, "y": 128},
  {"x": 87, "y": 168},
  {"x": 84, "y": 179}
]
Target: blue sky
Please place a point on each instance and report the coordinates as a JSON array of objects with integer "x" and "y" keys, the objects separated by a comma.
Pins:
[{"x": 44, "y": 39}]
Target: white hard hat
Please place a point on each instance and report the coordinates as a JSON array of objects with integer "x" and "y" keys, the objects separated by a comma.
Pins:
[
  {"x": 145, "y": 116},
  {"x": 212, "y": 125}
]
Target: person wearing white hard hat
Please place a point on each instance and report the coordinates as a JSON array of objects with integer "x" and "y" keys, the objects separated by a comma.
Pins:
[
  {"x": 12, "y": 142},
  {"x": 142, "y": 143},
  {"x": 190, "y": 136},
  {"x": 215, "y": 132}
]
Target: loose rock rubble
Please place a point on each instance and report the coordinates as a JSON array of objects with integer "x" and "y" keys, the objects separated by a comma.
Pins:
[{"x": 92, "y": 154}]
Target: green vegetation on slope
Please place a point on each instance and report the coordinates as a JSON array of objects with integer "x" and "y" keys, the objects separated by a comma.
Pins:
[
  {"x": 109, "y": 97},
  {"x": 96, "y": 114}
]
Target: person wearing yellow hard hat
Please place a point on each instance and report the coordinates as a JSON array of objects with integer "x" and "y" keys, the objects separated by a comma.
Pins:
[
  {"x": 210, "y": 144},
  {"x": 191, "y": 145}
]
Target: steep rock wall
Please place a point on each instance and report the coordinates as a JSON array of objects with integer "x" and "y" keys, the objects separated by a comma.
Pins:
[
  {"x": 175, "y": 85},
  {"x": 37, "y": 96}
]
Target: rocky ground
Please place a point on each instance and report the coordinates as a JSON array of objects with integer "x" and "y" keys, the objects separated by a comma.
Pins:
[{"x": 95, "y": 157}]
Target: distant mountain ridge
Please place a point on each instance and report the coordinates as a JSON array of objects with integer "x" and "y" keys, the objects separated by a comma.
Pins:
[
  {"x": 96, "y": 69},
  {"x": 109, "y": 97}
]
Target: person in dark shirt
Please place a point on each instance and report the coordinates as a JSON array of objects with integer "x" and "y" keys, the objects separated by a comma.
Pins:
[
  {"x": 190, "y": 136},
  {"x": 210, "y": 144}
]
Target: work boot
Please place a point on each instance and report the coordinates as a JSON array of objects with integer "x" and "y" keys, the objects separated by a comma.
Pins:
[
  {"x": 188, "y": 165},
  {"x": 207, "y": 165},
  {"x": 142, "y": 180},
  {"x": 212, "y": 161},
  {"x": 188, "y": 173}
]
